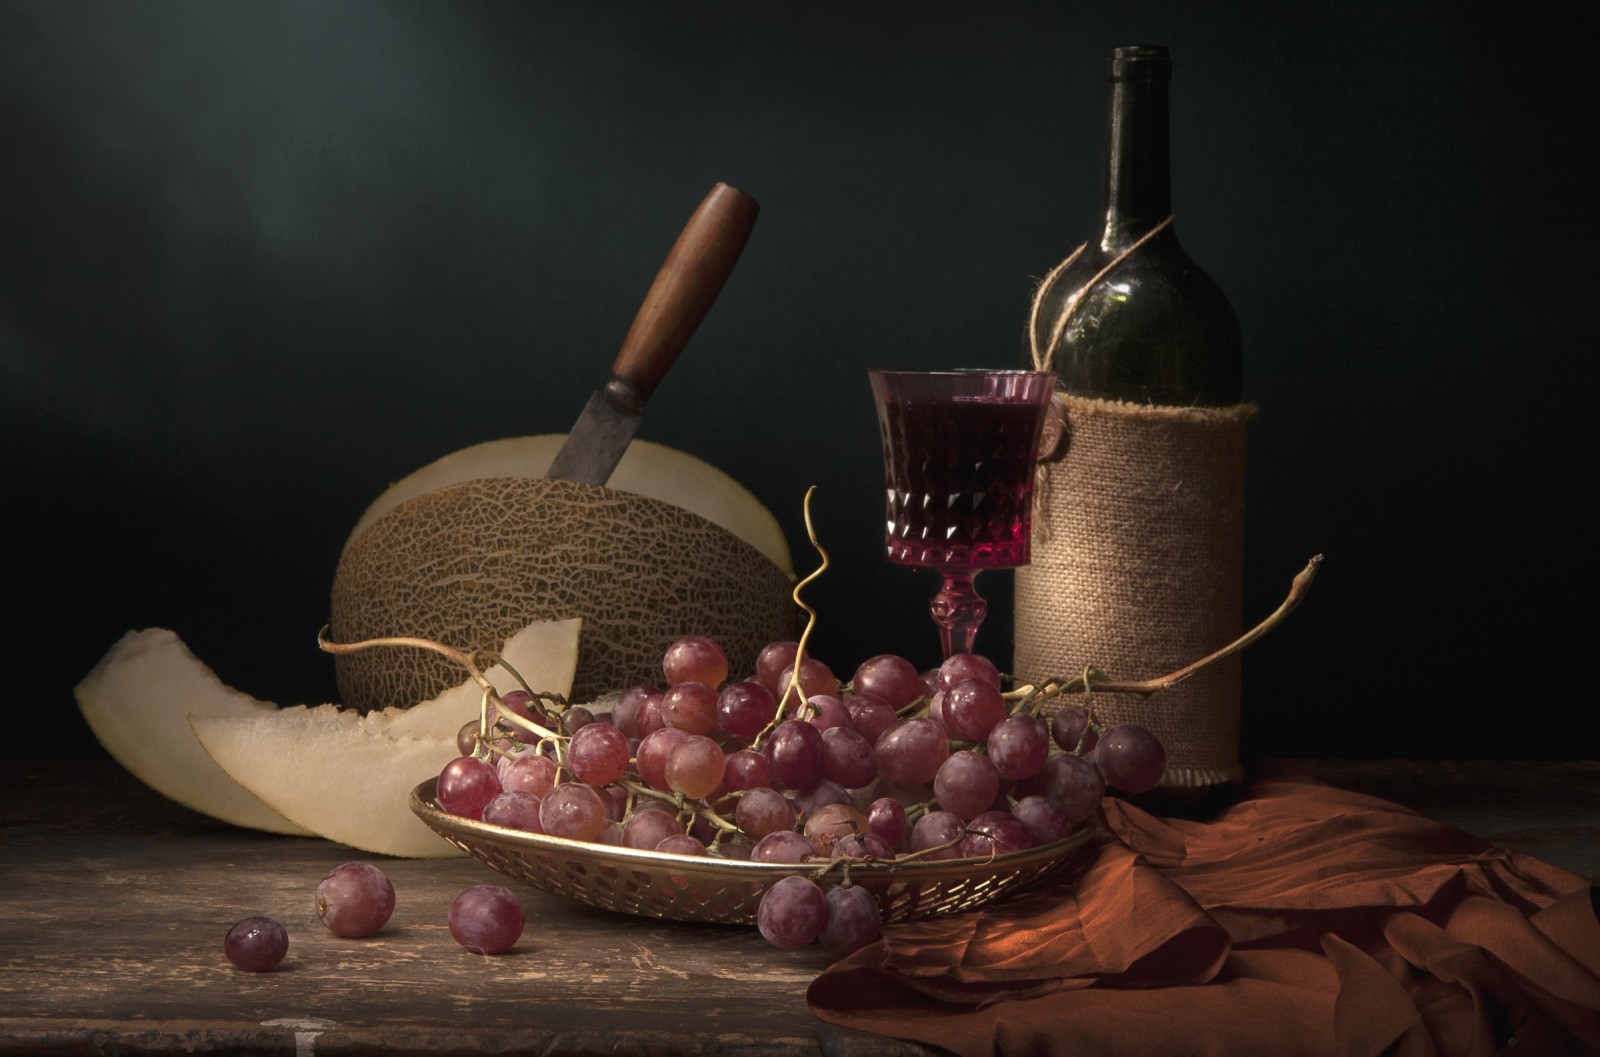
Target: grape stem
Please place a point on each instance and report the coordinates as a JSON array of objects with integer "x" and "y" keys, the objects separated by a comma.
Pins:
[
  {"x": 468, "y": 659},
  {"x": 711, "y": 815},
  {"x": 805, "y": 636},
  {"x": 638, "y": 789},
  {"x": 1093, "y": 679}
]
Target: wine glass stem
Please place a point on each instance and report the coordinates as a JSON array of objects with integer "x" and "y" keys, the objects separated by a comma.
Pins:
[{"x": 958, "y": 610}]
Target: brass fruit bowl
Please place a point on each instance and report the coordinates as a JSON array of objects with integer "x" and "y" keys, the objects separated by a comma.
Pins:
[{"x": 727, "y": 891}]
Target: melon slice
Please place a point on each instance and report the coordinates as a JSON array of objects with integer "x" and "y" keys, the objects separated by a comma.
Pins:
[
  {"x": 139, "y": 699},
  {"x": 338, "y": 780},
  {"x": 648, "y": 469}
]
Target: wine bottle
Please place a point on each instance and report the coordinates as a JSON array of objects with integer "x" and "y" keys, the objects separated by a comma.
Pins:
[
  {"x": 1131, "y": 316},
  {"x": 1138, "y": 541}
]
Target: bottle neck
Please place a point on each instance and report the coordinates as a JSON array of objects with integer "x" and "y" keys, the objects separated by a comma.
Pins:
[{"x": 1139, "y": 171}]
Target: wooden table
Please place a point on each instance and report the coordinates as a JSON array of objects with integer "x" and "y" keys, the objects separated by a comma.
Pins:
[{"x": 114, "y": 903}]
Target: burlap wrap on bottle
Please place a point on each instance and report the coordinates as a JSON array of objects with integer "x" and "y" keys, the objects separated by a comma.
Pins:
[{"x": 1137, "y": 570}]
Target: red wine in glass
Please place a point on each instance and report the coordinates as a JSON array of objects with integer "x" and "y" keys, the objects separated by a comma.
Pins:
[{"x": 959, "y": 451}]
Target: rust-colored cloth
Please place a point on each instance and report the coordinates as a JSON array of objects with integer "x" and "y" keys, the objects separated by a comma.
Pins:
[{"x": 1303, "y": 919}]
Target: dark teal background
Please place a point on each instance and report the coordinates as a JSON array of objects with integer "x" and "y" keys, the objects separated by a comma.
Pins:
[{"x": 257, "y": 260}]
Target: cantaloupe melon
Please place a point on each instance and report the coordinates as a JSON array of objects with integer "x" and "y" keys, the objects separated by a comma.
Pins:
[
  {"x": 462, "y": 551},
  {"x": 647, "y": 468}
]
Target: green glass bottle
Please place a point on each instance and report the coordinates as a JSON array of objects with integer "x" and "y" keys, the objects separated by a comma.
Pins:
[
  {"x": 1131, "y": 316},
  {"x": 1138, "y": 541}
]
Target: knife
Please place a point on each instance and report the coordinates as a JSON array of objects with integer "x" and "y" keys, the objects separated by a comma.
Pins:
[{"x": 689, "y": 281}]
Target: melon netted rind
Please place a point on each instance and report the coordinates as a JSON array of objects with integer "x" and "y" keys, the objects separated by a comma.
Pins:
[
  {"x": 647, "y": 469},
  {"x": 468, "y": 563}
]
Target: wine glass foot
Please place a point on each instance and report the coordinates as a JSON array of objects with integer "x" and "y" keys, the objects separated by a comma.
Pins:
[{"x": 958, "y": 609}]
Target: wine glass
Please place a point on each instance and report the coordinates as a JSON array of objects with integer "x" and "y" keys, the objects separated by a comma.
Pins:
[{"x": 959, "y": 450}]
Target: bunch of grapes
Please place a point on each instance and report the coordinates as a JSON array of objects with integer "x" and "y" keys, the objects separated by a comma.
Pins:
[{"x": 789, "y": 764}]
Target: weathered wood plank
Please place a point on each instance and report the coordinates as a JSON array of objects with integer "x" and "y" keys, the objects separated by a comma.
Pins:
[
  {"x": 114, "y": 903},
  {"x": 1547, "y": 808}
]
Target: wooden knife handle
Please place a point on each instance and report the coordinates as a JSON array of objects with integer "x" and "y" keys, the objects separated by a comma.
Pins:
[{"x": 689, "y": 281}]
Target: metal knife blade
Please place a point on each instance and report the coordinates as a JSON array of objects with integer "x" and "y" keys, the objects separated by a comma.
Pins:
[{"x": 679, "y": 298}]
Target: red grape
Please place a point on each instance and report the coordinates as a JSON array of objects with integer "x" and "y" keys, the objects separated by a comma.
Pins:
[
  {"x": 886, "y": 817},
  {"x": 527, "y": 772},
  {"x": 792, "y": 912},
  {"x": 467, "y": 738},
  {"x": 355, "y": 899},
  {"x": 1018, "y": 745},
  {"x": 961, "y": 666},
  {"x": 465, "y": 785},
  {"x": 890, "y": 677},
  {"x": 1075, "y": 783},
  {"x": 525, "y": 705},
  {"x": 486, "y": 919},
  {"x": 828, "y": 712},
  {"x": 854, "y": 920},
  {"x": 937, "y": 829},
  {"x": 651, "y": 756},
  {"x": 575, "y": 719},
  {"x": 870, "y": 715},
  {"x": 598, "y": 754},
  {"x": 972, "y": 708},
  {"x": 771, "y": 662},
  {"x": 782, "y": 845},
  {"x": 514, "y": 810},
  {"x": 744, "y": 709},
  {"x": 761, "y": 811},
  {"x": 256, "y": 944},
  {"x": 694, "y": 767},
  {"x": 615, "y": 799},
  {"x": 647, "y": 720},
  {"x": 830, "y": 822},
  {"x": 1071, "y": 723},
  {"x": 795, "y": 751},
  {"x": 690, "y": 707},
  {"x": 847, "y": 758},
  {"x": 1130, "y": 758},
  {"x": 625, "y": 713},
  {"x": 695, "y": 659},
  {"x": 746, "y": 769},
  {"x": 647, "y": 829},
  {"x": 967, "y": 784},
  {"x": 682, "y": 844},
  {"x": 995, "y": 833},
  {"x": 574, "y": 811},
  {"x": 815, "y": 678},
  {"x": 823, "y": 793},
  {"x": 1045, "y": 818},
  {"x": 861, "y": 846},
  {"x": 911, "y": 751}
]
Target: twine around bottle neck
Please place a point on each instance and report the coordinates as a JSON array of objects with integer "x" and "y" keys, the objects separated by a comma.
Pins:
[{"x": 1043, "y": 357}]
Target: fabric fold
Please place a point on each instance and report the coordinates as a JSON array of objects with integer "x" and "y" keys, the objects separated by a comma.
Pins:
[{"x": 1302, "y": 919}]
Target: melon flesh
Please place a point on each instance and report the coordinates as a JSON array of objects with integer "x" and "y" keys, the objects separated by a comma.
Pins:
[
  {"x": 648, "y": 469},
  {"x": 140, "y": 698},
  {"x": 137, "y": 701},
  {"x": 345, "y": 783}
]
